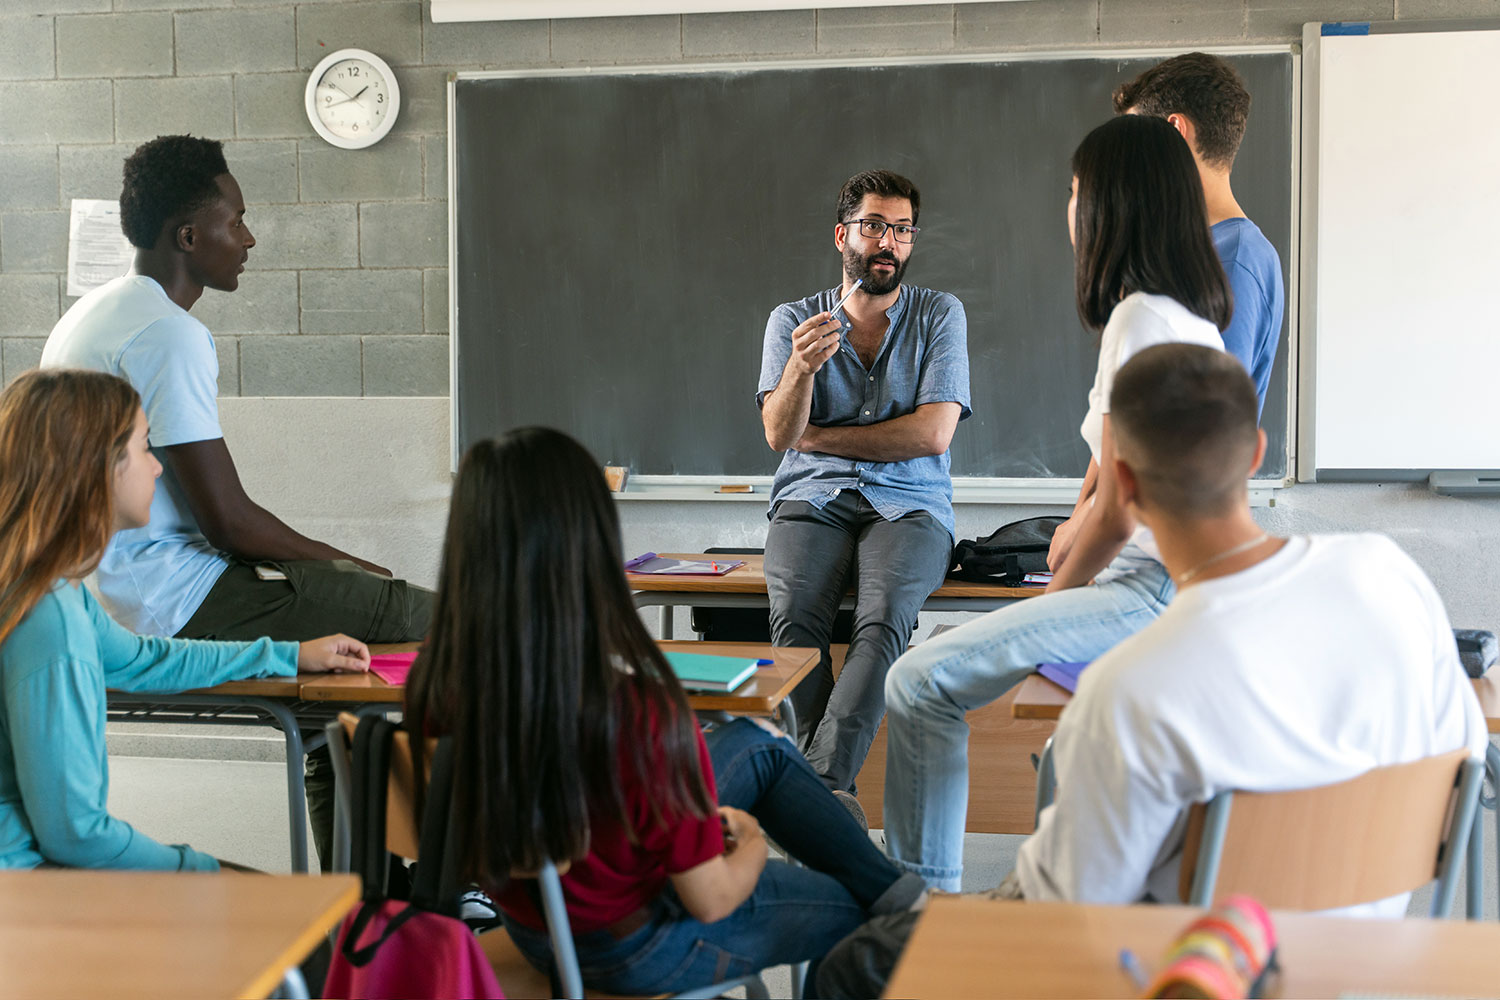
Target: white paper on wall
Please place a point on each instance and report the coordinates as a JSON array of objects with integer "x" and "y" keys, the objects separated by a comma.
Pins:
[{"x": 97, "y": 248}]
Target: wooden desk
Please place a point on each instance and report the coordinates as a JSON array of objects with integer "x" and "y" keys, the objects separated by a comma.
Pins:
[
  {"x": 972, "y": 947},
  {"x": 160, "y": 935},
  {"x": 764, "y": 694},
  {"x": 745, "y": 587}
]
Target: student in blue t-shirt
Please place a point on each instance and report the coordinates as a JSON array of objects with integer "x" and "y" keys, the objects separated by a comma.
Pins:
[
  {"x": 1206, "y": 101},
  {"x": 77, "y": 470},
  {"x": 212, "y": 564}
]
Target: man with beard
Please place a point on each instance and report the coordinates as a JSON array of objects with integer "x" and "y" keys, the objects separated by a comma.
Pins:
[{"x": 864, "y": 407}]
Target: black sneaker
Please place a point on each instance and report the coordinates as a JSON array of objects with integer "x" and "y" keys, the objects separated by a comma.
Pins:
[
  {"x": 857, "y": 811},
  {"x": 478, "y": 910}
]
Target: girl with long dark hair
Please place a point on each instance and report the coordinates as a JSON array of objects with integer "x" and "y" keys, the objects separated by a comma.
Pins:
[
  {"x": 574, "y": 742},
  {"x": 1145, "y": 273},
  {"x": 75, "y": 468}
]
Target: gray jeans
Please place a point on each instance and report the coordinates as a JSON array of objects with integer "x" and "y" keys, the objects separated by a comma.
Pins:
[{"x": 812, "y": 557}]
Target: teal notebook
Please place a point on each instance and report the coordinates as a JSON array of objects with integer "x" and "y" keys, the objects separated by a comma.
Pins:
[{"x": 699, "y": 672}]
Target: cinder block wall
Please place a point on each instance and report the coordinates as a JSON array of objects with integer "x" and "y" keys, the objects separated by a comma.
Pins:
[{"x": 346, "y": 295}]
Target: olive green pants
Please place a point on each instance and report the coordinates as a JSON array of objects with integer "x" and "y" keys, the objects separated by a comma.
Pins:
[{"x": 317, "y": 598}]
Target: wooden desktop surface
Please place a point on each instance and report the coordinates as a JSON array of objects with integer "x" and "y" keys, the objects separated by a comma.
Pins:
[
  {"x": 160, "y": 935},
  {"x": 1039, "y": 698},
  {"x": 758, "y": 696},
  {"x": 751, "y": 579},
  {"x": 966, "y": 946}
]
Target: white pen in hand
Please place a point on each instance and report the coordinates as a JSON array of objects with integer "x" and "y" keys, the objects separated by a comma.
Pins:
[{"x": 852, "y": 289}]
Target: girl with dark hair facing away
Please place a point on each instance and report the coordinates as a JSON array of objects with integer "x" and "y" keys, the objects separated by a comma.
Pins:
[
  {"x": 574, "y": 742},
  {"x": 75, "y": 468},
  {"x": 1146, "y": 273}
]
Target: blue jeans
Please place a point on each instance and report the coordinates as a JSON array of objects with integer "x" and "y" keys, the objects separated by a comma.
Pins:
[
  {"x": 932, "y": 687},
  {"x": 794, "y": 914}
]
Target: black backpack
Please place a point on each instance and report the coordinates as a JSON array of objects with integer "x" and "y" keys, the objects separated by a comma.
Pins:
[{"x": 1007, "y": 555}]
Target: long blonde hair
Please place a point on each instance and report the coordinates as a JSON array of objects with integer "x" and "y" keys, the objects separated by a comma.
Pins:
[{"x": 62, "y": 433}]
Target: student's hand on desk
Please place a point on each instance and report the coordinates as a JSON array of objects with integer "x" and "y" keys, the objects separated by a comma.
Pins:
[
  {"x": 739, "y": 828},
  {"x": 333, "y": 654},
  {"x": 813, "y": 342}
]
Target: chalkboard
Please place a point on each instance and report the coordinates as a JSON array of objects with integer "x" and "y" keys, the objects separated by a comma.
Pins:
[{"x": 619, "y": 240}]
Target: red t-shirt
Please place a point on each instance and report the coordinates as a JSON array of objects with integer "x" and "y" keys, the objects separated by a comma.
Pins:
[{"x": 619, "y": 877}]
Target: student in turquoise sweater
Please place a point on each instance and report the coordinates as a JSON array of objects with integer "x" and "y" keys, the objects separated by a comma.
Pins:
[{"x": 75, "y": 467}]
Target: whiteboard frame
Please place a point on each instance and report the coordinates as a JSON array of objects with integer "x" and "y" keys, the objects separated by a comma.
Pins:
[
  {"x": 1308, "y": 137},
  {"x": 966, "y": 489}
]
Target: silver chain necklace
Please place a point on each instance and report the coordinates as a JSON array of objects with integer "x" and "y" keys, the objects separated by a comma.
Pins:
[{"x": 1242, "y": 547}]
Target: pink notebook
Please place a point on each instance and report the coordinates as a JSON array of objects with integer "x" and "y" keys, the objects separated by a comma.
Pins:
[{"x": 392, "y": 667}]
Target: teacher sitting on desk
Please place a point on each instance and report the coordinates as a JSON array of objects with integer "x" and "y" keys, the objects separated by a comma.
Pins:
[{"x": 863, "y": 398}]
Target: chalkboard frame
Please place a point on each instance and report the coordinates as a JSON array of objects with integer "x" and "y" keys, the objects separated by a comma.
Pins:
[{"x": 967, "y": 489}]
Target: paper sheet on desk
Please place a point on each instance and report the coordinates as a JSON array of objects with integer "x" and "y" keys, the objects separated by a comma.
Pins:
[
  {"x": 651, "y": 563},
  {"x": 97, "y": 248},
  {"x": 392, "y": 667}
]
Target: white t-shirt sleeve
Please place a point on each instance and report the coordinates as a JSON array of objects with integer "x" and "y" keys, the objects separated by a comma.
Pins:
[{"x": 173, "y": 365}]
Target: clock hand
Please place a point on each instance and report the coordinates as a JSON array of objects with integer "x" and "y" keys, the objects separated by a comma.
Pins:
[{"x": 346, "y": 100}]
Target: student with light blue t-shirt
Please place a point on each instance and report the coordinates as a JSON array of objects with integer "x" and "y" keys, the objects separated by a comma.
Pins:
[
  {"x": 78, "y": 469},
  {"x": 211, "y": 564}
]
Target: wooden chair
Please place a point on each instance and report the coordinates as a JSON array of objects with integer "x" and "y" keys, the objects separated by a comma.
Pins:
[
  {"x": 516, "y": 975},
  {"x": 1388, "y": 831}
]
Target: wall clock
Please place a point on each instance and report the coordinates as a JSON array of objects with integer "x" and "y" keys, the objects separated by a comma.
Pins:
[{"x": 352, "y": 98}]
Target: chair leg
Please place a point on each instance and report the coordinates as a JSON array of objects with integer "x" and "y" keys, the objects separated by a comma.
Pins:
[
  {"x": 1046, "y": 780},
  {"x": 799, "y": 980},
  {"x": 293, "y": 985},
  {"x": 1474, "y": 904}
]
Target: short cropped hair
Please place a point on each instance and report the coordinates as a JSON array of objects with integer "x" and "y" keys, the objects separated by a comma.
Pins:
[
  {"x": 167, "y": 178},
  {"x": 1184, "y": 420},
  {"x": 879, "y": 182},
  {"x": 1206, "y": 89}
]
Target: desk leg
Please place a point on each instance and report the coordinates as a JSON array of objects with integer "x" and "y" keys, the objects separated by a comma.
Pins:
[
  {"x": 664, "y": 622},
  {"x": 1046, "y": 780},
  {"x": 788, "y": 718},
  {"x": 296, "y": 785}
]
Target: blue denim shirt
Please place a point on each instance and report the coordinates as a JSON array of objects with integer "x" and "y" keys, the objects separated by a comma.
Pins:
[{"x": 923, "y": 359}]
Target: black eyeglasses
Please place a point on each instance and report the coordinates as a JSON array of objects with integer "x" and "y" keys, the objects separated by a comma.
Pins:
[{"x": 874, "y": 229}]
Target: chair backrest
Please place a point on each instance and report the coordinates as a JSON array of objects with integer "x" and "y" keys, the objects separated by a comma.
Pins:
[
  {"x": 1388, "y": 831},
  {"x": 402, "y": 835}
]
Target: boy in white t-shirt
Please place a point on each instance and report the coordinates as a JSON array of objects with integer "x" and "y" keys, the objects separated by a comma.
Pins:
[{"x": 1282, "y": 663}]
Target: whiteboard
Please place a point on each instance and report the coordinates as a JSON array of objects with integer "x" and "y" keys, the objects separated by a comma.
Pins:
[{"x": 1401, "y": 254}]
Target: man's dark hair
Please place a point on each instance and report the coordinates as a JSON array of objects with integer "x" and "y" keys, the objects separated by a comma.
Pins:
[
  {"x": 1184, "y": 419},
  {"x": 167, "y": 178},
  {"x": 878, "y": 182},
  {"x": 1206, "y": 89},
  {"x": 1141, "y": 225}
]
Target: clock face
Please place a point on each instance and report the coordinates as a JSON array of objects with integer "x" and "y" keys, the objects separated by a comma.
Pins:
[{"x": 352, "y": 98}]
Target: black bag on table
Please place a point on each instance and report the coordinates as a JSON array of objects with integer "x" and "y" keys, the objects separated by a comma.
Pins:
[{"x": 1007, "y": 555}]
